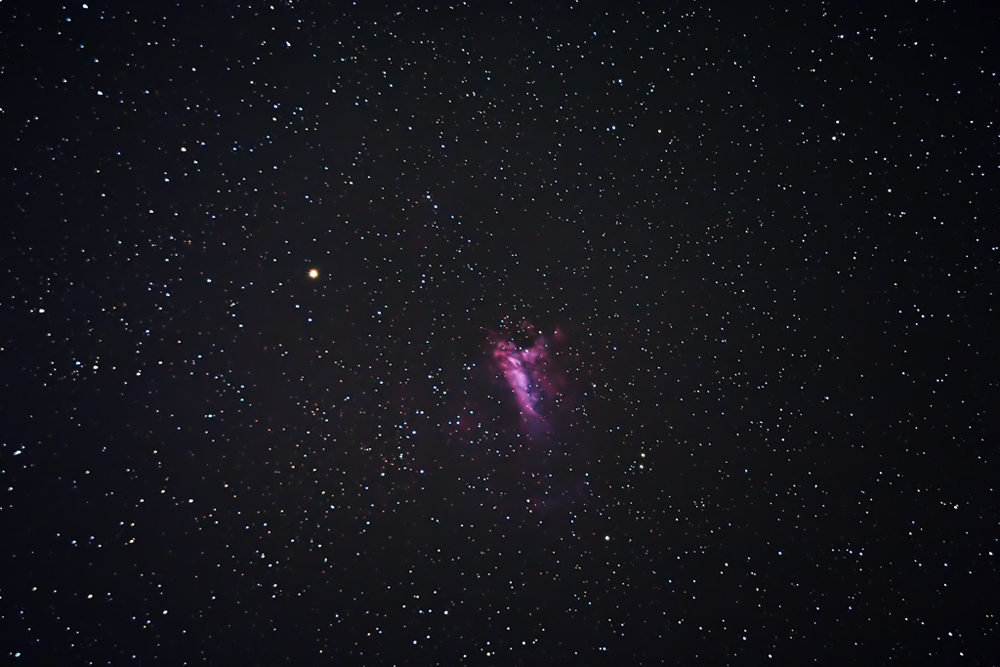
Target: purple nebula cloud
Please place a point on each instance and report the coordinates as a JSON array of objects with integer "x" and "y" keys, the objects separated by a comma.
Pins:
[
  {"x": 532, "y": 377},
  {"x": 514, "y": 430}
]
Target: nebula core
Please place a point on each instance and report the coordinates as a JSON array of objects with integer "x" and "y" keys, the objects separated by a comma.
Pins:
[
  {"x": 533, "y": 377},
  {"x": 515, "y": 429}
]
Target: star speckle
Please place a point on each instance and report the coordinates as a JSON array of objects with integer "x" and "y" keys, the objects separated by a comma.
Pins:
[{"x": 524, "y": 333}]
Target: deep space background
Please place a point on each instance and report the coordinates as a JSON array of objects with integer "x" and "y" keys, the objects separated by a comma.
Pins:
[{"x": 758, "y": 243}]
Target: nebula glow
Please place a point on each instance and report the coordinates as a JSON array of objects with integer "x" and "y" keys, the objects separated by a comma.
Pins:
[
  {"x": 517, "y": 366},
  {"x": 514, "y": 428},
  {"x": 531, "y": 376}
]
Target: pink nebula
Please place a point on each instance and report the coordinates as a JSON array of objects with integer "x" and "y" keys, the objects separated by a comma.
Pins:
[{"x": 529, "y": 375}]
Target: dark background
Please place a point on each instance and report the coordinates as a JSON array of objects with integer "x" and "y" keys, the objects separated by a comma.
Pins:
[{"x": 768, "y": 236}]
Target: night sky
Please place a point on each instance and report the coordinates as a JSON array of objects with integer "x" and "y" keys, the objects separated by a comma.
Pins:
[{"x": 499, "y": 333}]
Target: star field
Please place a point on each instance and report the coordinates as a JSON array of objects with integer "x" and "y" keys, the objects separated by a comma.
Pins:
[{"x": 498, "y": 333}]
